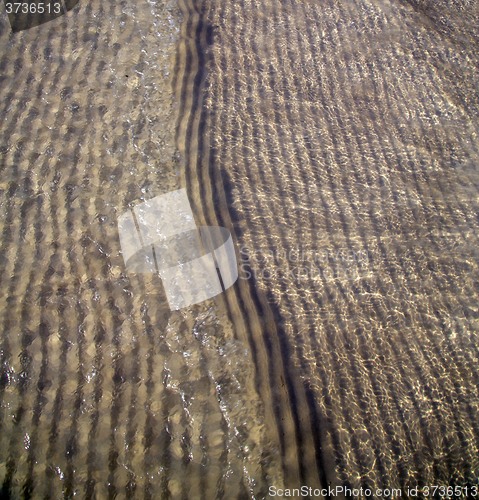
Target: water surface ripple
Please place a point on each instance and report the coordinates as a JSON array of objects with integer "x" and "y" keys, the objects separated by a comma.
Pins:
[{"x": 338, "y": 142}]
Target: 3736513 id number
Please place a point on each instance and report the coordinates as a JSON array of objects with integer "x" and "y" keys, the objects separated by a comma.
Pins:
[
  {"x": 33, "y": 8},
  {"x": 450, "y": 491}
]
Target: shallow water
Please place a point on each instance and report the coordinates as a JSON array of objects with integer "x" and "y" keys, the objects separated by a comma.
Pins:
[
  {"x": 106, "y": 392},
  {"x": 337, "y": 142}
]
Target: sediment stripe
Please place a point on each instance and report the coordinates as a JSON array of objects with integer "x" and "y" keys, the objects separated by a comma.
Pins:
[
  {"x": 253, "y": 73},
  {"x": 203, "y": 190},
  {"x": 192, "y": 124},
  {"x": 397, "y": 173}
]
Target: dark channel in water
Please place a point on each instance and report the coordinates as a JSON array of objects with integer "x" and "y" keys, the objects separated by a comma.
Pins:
[{"x": 337, "y": 141}]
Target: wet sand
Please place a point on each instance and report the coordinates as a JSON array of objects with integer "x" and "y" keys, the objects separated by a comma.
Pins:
[{"x": 337, "y": 141}]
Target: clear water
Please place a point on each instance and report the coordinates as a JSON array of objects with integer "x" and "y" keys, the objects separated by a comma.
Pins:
[{"x": 337, "y": 142}]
